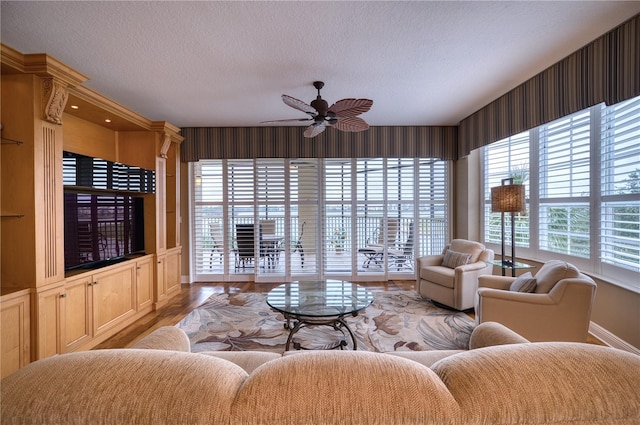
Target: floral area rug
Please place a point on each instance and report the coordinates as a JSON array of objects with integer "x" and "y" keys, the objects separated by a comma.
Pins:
[{"x": 395, "y": 321}]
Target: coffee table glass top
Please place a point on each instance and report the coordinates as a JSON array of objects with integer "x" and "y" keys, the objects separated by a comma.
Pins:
[{"x": 321, "y": 298}]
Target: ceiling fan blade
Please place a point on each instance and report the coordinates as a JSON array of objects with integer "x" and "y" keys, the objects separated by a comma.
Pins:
[
  {"x": 352, "y": 124},
  {"x": 299, "y": 105},
  {"x": 287, "y": 120},
  {"x": 314, "y": 129},
  {"x": 350, "y": 107}
]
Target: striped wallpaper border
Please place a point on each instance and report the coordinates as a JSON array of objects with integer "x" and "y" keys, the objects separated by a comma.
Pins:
[
  {"x": 288, "y": 142},
  {"x": 606, "y": 70}
]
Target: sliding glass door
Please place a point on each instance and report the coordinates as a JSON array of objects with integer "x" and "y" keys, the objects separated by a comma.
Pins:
[{"x": 294, "y": 219}]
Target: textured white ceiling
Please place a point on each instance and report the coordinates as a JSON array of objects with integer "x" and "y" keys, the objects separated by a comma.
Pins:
[{"x": 227, "y": 63}]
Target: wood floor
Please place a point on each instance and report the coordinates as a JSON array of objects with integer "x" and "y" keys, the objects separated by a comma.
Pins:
[{"x": 191, "y": 296}]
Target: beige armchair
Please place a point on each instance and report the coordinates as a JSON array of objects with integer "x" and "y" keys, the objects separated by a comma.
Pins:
[
  {"x": 559, "y": 309},
  {"x": 451, "y": 278}
]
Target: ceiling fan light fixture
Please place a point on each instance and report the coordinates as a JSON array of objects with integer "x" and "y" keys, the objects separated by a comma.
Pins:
[{"x": 342, "y": 115}]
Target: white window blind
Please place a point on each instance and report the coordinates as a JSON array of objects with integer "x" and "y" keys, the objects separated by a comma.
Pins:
[
  {"x": 401, "y": 189},
  {"x": 304, "y": 198},
  {"x": 337, "y": 216},
  {"x": 508, "y": 158},
  {"x": 374, "y": 231},
  {"x": 565, "y": 185},
  {"x": 620, "y": 169},
  {"x": 208, "y": 224},
  {"x": 432, "y": 231}
]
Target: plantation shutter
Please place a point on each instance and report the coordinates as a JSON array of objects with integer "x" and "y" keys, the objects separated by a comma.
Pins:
[
  {"x": 208, "y": 218},
  {"x": 304, "y": 213},
  {"x": 620, "y": 185},
  {"x": 432, "y": 233},
  {"x": 504, "y": 159},
  {"x": 373, "y": 217},
  {"x": 565, "y": 185},
  {"x": 401, "y": 205},
  {"x": 337, "y": 237}
]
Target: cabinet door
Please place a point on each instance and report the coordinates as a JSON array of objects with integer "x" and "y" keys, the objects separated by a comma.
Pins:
[
  {"x": 172, "y": 272},
  {"x": 78, "y": 310},
  {"x": 15, "y": 335},
  {"x": 113, "y": 297},
  {"x": 50, "y": 317},
  {"x": 144, "y": 283},
  {"x": 160, "y": 287}
]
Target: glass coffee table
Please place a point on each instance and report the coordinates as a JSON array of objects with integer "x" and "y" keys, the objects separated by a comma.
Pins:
[{"x": 319, "y": 303}]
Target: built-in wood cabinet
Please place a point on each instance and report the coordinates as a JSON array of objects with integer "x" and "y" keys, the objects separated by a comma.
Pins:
[
  {"x": 50, "y": 314},
  {"x": 144, "y": 282},
  {"x": 78, "y": 323},
  {"x": 45, "y": 310},
  {"x": 15, "y": 328},
  {"x": 113, "y": 298}
]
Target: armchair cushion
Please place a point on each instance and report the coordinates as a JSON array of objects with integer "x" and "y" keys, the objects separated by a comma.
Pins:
[
  {"x": 453, "y": 259},
  {"x": 441, "y": 275},
  {"x": 552, "y": 272},
  {"x": 469, "y": 247},
  {"x": 524, "y": 283}
]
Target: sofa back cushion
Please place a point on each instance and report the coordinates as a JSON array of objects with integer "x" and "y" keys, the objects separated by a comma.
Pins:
[
  {"x": 135, "y": 386},
  {"x": 553, "y": 271},
  {"x": 468, "y": 247},
  {"x": 343, "y": 387},
  {"x": 524, "y": 383}
]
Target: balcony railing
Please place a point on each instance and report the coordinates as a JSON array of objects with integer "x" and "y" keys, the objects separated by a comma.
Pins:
[{"x": 430, "y": 236}]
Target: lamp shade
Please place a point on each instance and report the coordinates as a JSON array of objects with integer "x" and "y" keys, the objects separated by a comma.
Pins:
[{"x": 508, "y": 198}]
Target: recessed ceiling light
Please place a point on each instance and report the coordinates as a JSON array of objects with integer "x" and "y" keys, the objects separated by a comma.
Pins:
[
  {"x": 75, "y": 107},
  {"x": 107, "y": 120}
]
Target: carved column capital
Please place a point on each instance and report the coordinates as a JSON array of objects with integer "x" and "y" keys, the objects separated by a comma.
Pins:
[
  {"x": 54, "y": 99},
  {"x": 165, "y": 145}
]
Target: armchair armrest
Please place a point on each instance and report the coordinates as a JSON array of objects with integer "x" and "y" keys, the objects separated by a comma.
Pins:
[
  {"x": 479, "y": 265},
  {"x": 495, "y": 282},
  {"x": 512, "y": 296}
]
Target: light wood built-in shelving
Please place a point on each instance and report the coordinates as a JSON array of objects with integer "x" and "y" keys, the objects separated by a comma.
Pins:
[{"x": 45, "y": 310}]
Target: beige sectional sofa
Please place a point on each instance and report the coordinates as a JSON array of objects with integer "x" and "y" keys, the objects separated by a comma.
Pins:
[{"x": 160, "y": 382}]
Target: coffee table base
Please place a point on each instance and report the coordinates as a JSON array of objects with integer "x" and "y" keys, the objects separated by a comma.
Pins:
[{"x": 337, "y": 323}]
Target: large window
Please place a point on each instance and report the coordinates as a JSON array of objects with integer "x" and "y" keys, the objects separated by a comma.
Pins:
[
  {"x": 320, "y": 214},
  {"x": 582, "y": 174}
]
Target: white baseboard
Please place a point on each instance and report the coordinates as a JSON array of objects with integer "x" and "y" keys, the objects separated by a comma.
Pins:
[{"x": 610, "y": 339}]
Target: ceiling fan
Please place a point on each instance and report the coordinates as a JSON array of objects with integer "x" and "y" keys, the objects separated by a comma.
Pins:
[{"x": 342, "y": 115}]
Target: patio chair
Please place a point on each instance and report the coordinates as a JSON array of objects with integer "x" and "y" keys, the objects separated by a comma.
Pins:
[
  {"x": 374, "y": 250},
  {"x": 402, "y": 257},
  {"x": 296, "y": 246},
  {"x": 245, "y": 244},
  {"x": 217, "y": 240}
]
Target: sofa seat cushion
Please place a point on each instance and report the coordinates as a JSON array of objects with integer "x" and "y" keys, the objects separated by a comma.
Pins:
[
  {"x": 344, "y": 387},
  {"x": 441, "y": 275},
  {"x": 553, "y": 271},
  {"x": 542, "y": 383},
  {"x": 134, "y": 386}
]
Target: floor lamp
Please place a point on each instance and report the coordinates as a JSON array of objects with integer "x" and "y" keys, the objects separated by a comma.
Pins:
[{"x": 508, "y": 198}]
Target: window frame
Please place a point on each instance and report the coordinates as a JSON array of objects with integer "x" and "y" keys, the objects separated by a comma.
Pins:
[{"x": 596, "y": 200}]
